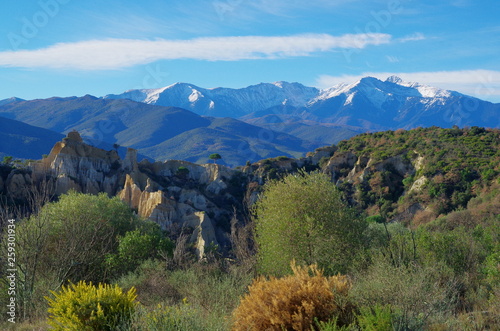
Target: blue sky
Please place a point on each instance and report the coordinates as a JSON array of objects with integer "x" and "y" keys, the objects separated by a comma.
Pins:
[{"x": 72, "y": 48}]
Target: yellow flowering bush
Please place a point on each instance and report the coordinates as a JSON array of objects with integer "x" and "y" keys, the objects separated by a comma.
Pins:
[{"x": 86, "y": 307}]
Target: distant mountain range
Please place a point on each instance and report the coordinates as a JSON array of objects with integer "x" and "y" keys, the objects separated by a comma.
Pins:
[
  {"x": 369, "y": 104},
  {"x": 183, "y": 121}
]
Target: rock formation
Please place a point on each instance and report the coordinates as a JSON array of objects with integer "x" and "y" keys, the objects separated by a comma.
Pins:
[
  {"x": 157, "y": 191},
  {"x": 75, "y": 165}
]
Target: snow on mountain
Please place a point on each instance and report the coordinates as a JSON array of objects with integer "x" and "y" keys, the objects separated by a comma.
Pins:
[
  {"x": 228, "y": 101},
  {"x": 369, "y": 103},
  {"x": 224, "y": 101}
]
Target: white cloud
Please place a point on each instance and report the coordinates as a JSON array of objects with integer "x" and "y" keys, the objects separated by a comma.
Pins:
[
  {"x": 412, "y": 37},
  {"x": 120, "y": 53},
  {"x": 483, "y": 84}
]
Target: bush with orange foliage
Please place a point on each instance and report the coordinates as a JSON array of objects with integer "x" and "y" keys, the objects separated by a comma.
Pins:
[{"x": 294, "y": 302}]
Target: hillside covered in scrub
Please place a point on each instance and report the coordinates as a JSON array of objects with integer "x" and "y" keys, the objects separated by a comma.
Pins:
[
  {"x": 411, "y": 176},
  {"x": 428, "y": 172},
  {"x": 411, "y": 217}
]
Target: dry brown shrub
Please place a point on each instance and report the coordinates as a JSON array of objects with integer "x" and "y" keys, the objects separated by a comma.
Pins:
[
  {"x": 294, "y": 302},
  {"x": 399, "y": 131},
  {"x": 460, "y": 218},
  {"x": 423, "y": 217}
]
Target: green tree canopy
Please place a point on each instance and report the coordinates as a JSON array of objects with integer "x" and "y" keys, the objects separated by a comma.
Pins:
[
  {"x": 145, "y": 242},
  {"x": 215, "y": 157},
  {"x": 303, "y": 217},
  {"x": 69, "y": 239},
  {"x": 7, "y": 159}
]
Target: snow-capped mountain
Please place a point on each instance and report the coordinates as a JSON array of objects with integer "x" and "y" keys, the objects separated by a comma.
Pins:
[
  {"x": 222, "y": 102},
  {"x": 369, "y": 103}
]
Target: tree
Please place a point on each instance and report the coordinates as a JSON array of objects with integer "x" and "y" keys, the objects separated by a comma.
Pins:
[
  {"x": 215, "y": 157},
  {"x": 303, "y": 217},
  {"x": 7, "y": 159},
  {"x": 67, "y": 240},
  {"x": 145, "y": 242}
]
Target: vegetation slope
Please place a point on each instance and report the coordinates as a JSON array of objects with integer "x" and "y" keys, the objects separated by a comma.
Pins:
[{"x": 426, "y": 255}]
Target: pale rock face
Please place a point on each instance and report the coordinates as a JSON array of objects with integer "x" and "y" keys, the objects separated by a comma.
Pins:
[
  {"x": 144, "y": 201},
  {"x": 360, "y": 170},
  {"x": 193, "y": 198},
  {"x": 339, "y": 159},
  {"x": 319, "y": 153},
  {"x": 130, "y": 162},
  {"x": 203, "y": 174},
  {"x": 64, "y": 184},
  {"x": 397, "y": 162},
  {"x": 166, "y": 210},
  {"x": 79, "y": 166},
  {"x": 204, "y": 233},
  {"x": 216, "y": 186},
  {"x": 419, "y": 162},
  {"x": 348, "y": 158},
  {"x": 418, "y": 184},
  {"x": 363, "y": 166},
  {"x": 149, "y": 201},
  {"x": 131, "y": 193},
  {"x": 212, "y": 175}
]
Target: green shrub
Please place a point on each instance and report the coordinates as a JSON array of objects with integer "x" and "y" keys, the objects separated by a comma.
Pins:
[
  {"x": 491, "y": 268},
  {"x": 376, "y": 318},
  {"x": 166, "y": 318},
  {"x": 414, "y": 293},
  {"x": 135, "y": 247},
  {"x": 85, "y": 307},
  {"x": 153, "y": 285},
  {"x": 66, "y": 240},
  {"x": 294, "y": 302},
  {"x": 375, "y": 219},
  {"x": 304, "y": 217},
  {"x": 331, "y": 325}
]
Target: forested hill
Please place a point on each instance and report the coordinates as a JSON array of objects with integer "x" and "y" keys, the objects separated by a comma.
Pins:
[{"x": 413, "y": 175}]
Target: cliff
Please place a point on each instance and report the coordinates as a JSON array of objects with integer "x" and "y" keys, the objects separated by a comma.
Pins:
[{"x": 178, "y": 195}]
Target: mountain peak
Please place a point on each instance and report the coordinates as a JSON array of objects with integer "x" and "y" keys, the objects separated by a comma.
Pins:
[
  {"x": 10, "y": 100},
  {"x": 369, "y": 82},
  {"x": 394, "y": 79},
  {"x": 283, "y": 84}
]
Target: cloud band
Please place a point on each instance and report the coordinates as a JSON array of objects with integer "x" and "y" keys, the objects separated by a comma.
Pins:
[{"x": 113, "y": 54}]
